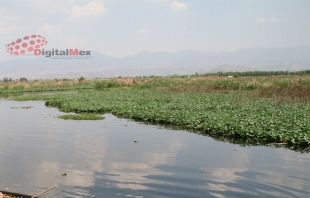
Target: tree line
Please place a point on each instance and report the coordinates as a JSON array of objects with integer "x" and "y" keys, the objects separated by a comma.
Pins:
[
  {"x": 260, "y": 73},
  {"x": 10, "y": 79}
]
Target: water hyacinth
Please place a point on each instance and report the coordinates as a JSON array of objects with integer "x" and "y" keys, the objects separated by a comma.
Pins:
[{"x": 228, "y": 115}]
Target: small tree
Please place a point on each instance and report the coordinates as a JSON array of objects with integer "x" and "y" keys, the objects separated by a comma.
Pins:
[
  {"x": 7, "y": 80},
  {"x": 236, "y": 75},
  {"x": 23, "y": 79},
  {"x": 81, "y": 79}
]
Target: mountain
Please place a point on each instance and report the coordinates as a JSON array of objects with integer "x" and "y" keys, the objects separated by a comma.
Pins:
[
  {"x": 230, "y": 68},
  {"x": 158, "y": 63}
]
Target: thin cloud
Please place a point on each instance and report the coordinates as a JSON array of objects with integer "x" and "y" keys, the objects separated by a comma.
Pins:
[
  {"x": 143, "y": 31},
  {"x": 265, "y": 20},
  {"x": 8, "y": 21},
  {"x": 50, "y": 29},
  {"x": 92, "y": 9},
  {"x": 77, "y": 42},
  {"x": 273, "y": 20},
  {"x": 158, "y": 1},
  {"x": 1, "y": 27},
  {"x": 6, "y": 27},
  {"x": 261, "y": 20},
  {"x": 177, "y": 6}
]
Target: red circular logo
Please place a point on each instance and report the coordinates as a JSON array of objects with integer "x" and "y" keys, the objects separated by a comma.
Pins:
[{"x": 27, "y": 43}]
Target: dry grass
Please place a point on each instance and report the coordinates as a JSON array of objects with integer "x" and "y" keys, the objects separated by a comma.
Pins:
[
  {"x": 292, "y": 94},
  {"x": 43, "y": 85},
  {"x": 287, "y": 88},
  {"x": 126, "y": 81},
  {"x": 283, "y": 88}
]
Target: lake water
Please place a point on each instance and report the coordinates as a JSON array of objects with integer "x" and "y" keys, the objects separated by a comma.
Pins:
[{"x": 101, "y": 159}]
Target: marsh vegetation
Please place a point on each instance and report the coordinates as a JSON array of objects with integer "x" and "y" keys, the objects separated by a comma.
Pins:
[
  {"x": 87, "y": 116},
  {"x": 249, "y": 110}
]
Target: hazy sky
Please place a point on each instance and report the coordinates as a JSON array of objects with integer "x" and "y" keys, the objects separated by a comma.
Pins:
[{"x": 126, "y": 27}]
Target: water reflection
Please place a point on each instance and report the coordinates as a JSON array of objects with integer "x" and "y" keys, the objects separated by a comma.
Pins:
[
  {"x": 134, "y": 172},
  {"x": 264, "y": 175},
  {"x": 101, "y": 160}
]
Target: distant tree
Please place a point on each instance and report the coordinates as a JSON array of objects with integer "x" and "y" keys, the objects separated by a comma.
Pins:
[
  {"x": 236, "y": 75},
  {"x": 81, "y": 79},
  {"x": 23, "y": 79},
  {"x": 259, "y": 73},
  {"x": 7, "y": 80}
]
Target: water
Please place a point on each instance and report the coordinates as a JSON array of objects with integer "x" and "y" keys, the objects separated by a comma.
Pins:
[{"x": 101, "y": 159}]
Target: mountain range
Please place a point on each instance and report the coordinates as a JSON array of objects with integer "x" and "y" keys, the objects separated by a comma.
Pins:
[{"x": 148, "y": 63}]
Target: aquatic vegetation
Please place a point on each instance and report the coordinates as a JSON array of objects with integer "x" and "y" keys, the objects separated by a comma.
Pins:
[
  {"x": 81, "y": 117},
  {"x": 244, "y": 110},
  {"x": 256, "y": 120},
  {"x": 26, "y": 107},
  {"x": 37, "y": 97}
]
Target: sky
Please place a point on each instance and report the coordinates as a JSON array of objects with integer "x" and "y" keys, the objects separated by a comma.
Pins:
[{"x": 121, "y": 28}]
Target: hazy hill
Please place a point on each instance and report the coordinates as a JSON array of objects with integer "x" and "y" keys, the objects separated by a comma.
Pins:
[{"x": 159, "y": 63}]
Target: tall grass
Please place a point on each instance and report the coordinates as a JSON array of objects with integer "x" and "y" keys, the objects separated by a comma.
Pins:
[
  {"x": 45, "y": 85},
  {"x": 283, "y": 88},
  {"x": 288, "y": 88}
]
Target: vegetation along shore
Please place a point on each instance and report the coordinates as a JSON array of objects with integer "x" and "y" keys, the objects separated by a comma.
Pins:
[{"x": 245, "y": 110}]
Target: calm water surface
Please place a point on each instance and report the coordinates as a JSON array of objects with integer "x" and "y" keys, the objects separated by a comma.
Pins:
[{"x": 101, "y": 159}]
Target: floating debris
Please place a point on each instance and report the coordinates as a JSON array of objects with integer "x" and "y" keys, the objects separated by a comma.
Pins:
[{"x": 26, "y": 107}]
